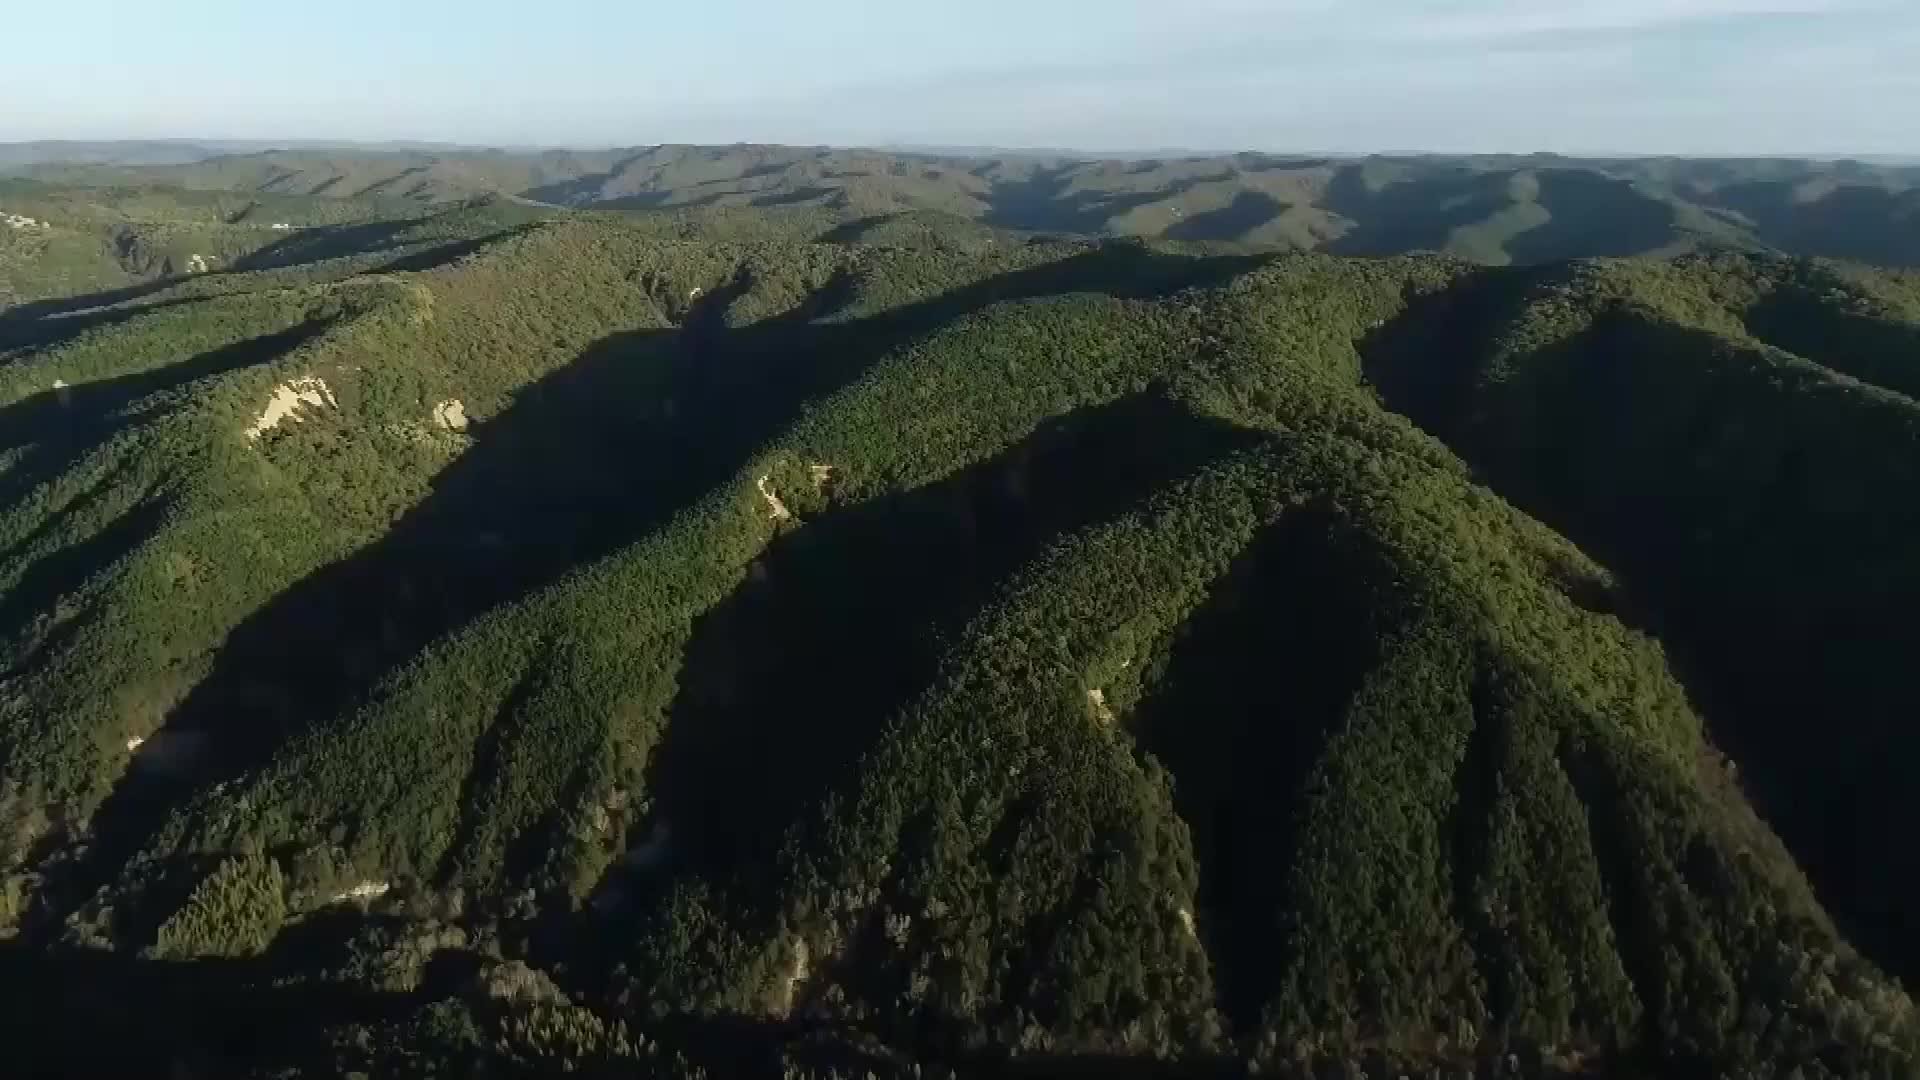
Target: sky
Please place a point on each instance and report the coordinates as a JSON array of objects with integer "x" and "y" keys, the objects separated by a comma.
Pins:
[{"x": 1710, "y": 77}]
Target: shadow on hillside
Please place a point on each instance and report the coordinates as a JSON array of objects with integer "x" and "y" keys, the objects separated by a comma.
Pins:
[
  {"x": 1416, "y": 362},
  {"x": 37, "y": 593},
  {"x": 858, "y": 230},
  {"x": 1239, "y": 713},
  {"x": 1594, "y": 216},
  {"x": 435, "y": 254},
  {"x": 794, "y": 197},
  {"x": 324, "y": 242},
  {"x": 1248, "y": 211},
  {"x": 73, "y": 1012},
  {"x": 86, "y": 1013},
  {"x": 1418, "y": 214},
  {"x": 1859, "y": 222},
  {"x": 40, "y": 309},
  {"x": 1591, "y": 215},
  {"x": 1756, "y": 532},
  {"x": 647, "y": 201},
  {"x": 413, "y": 177},
  {"x": 46, "y": 323},
  {"x": 1871, "y": 348},
  {"x": 55, "y": 428},
  {"x": 590, "y": 188},
  {"x": 52, "y": 431},
  {"x": 923, "y": 230},
  {"x": 1043, "y": 202},
  {"x": 584, "y": 462},
  {"x": 1253, "y": 161},
  {"x": 841, "y": 622}
]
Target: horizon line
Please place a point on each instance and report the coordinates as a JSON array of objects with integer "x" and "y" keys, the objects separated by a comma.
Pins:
[{"x": 226, "y": 146}]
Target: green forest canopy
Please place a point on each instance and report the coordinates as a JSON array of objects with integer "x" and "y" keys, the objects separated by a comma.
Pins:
[{"x": 723, "y": 641}]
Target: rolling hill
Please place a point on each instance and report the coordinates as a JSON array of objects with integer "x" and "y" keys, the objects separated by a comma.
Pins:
[
  {"x": 58, "y": 243},
  {"x": 780, "y": 641},
  {"x": 1496, "y": 209},
  {"x": 21, "y": 155}
]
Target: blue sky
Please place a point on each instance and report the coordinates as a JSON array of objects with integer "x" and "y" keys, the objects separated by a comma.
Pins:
[{"x": 1656, "y": 76}]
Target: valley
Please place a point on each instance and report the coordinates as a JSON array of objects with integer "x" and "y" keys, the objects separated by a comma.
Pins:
[{"x": 825, "y": 639}]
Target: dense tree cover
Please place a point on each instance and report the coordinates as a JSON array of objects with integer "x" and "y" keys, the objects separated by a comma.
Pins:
[
  {"x": 823, "y": 650},
  {"x": 1746, "y": 494},
  {"x": 148, "y": 239},
  {"x": 1495, "y": 209}
]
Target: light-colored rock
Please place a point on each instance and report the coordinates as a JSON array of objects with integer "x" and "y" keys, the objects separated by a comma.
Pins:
[
  {"x": 169, "y": 753},
  {"x": 287, "y": 401},
  {"x": 280, "y": 226},
  {"x": 21, "y": 221},
  {"x": 822, "y": 476},
  {"x": 366, "y": 890},
  {"x": 199, "y": 264},
  {"x": 776, "y": 509},
  {"x": 789, "y": 990},
  {"x": 1097, "y": 698},
  {"x": 451, "y": 414},
  {"x": 514, "y": 981}
]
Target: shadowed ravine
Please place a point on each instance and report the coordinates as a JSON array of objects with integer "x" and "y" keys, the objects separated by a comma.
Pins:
[
  {"x": 1698, "y": 502},
  {"x": 553, "y": 483}
]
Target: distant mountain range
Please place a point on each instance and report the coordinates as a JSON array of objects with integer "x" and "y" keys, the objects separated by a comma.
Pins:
[{"x": 1524, "y": 209}]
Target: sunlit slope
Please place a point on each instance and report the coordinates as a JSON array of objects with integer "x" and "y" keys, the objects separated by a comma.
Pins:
[
  {"x": 1056, "y": 648},
  {"x": 1501, "y": 209}
]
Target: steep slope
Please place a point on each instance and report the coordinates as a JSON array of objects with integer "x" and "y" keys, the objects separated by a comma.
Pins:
[
  {"x": 1731, "y": 436},
  {"x": 609, "y": 643}
]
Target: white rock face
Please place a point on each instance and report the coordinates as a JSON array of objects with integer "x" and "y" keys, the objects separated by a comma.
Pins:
[
  {"x": 789, "y": 989},
  {"x": 21, "y": 221},
  {"x": 1098, "y": 699},
  {"x": 287, "y": 401},
  {"x": 451, "y": 414},
  {"x": 280, "y": 226},
  {"x": 776, "y": 509},
  {"x": 199, "y": 264},
  {"x": 169, "y": 753},
  {"x": 366, "y": 890}
]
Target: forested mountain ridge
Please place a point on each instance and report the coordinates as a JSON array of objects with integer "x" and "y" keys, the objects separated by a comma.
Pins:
[
  {"x": 729, "y": 641},
  {"x": 58, "y": 243},
  {"x": 1493, "y": 209}
]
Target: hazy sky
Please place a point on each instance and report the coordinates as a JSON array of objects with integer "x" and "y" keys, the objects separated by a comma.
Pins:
[{"x": 1681, "y": 76}]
